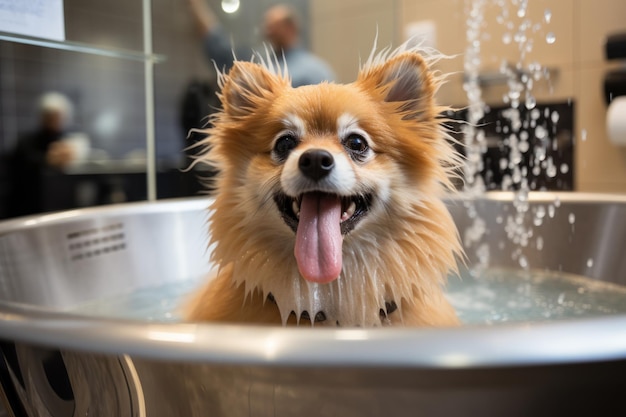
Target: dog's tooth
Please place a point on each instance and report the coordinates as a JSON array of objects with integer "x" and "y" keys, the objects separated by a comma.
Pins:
[
  {"x": 351, "y": 209},
  {"x": 295, "y": 208},
  {"x": 349, "y": 212}
]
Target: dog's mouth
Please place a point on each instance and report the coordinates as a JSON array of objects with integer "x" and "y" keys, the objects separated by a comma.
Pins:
[
  {"x": 320, "y": 220},
  {"x": 353, "y": 209}
]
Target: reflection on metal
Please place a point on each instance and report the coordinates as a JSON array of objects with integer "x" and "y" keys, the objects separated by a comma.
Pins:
[
  {"x": 65, "y": 384},
  {"x": 107, "y": 367},
  {"x": 83, "y": 48}
]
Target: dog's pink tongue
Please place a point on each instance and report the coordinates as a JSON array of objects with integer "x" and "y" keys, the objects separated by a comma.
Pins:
[{"x": 318, "y": 239}]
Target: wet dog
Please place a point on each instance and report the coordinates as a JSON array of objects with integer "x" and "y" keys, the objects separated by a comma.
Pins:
[{"x": 328, "y": 206}]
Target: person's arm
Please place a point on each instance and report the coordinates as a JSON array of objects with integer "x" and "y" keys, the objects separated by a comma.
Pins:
[
  {"x": 215, "y": 42},
  {"x": 204, "y": 17}
]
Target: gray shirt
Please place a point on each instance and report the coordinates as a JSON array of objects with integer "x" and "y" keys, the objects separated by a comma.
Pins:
[{"x": 304, "y": 67}]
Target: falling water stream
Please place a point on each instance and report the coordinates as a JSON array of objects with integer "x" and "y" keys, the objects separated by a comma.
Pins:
[{"x": 525, "y": 130}]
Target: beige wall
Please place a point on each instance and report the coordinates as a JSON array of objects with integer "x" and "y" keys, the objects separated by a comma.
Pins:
[{"x": 343, "y": 30}]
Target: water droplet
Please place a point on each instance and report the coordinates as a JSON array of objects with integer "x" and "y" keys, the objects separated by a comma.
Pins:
[
  {"x": 583, "y": 135},
  {"x": 571, "y": 218},
  {"x": 523, "y": 146},
  {"x": 550, "y": 38},
  {"x": 523, "y": 262},
  {"x": 539, "y": 243},
  {"x": 541, "y": 212},
  {"x": 555, "y": 116},
  {"x": 589, "y": 262},
  {"x": 547, "y": 15},
  {"x": 564, "y": 168},
  {"x": 535, "y": 114},
  {"x": 531, "y": 102},
  {"x": 506, "y": 38},
  {"x": 557, "y": 202},
  {"x": 540, "y": 132}
]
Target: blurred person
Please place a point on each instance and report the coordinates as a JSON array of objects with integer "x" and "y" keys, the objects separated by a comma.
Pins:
[
  {"x": 38, "y": 152},
  {"x": 281, "y": 29}
]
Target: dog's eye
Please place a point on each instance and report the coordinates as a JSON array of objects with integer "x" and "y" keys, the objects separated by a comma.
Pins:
[
  {"x": 284, "y": 145},
  {"x": 356, "y": 143}
]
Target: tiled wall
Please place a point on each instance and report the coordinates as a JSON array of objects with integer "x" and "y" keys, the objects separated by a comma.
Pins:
[{"x": 340, "y": 30}]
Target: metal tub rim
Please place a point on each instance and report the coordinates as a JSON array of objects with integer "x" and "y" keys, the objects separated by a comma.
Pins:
[{"x": 467, "y": 347}]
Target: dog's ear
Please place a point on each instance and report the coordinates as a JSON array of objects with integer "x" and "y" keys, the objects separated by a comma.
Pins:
[
  {"x": 404, "y": 80},
  {"x": 247, "y": 87}
]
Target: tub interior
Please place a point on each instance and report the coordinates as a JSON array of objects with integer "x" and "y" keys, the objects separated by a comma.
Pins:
[{"x": 136, "y": 255}]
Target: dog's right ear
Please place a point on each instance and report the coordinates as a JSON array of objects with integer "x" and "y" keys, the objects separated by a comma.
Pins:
[{"x": 247, "y": 87}]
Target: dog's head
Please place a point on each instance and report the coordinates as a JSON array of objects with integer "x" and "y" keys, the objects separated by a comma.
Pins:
[{"x": 321, "y": 177}]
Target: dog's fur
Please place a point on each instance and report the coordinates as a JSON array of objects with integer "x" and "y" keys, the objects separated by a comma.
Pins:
[{"x": 396, "y": 257}]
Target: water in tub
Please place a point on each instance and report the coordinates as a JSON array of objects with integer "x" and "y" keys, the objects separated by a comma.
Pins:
[{"x": 494, "y": 296}]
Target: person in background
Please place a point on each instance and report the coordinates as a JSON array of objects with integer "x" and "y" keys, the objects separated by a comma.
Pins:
[
  {"x": 39, "y": 151},
  {"x": 281, "y": 29}
]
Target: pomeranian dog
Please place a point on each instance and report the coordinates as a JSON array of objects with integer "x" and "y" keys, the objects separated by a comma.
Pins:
[{"x": 328, "y": 203}]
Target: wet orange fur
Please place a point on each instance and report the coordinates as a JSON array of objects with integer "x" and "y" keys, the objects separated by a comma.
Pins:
[{"x": 403, "y": 249}]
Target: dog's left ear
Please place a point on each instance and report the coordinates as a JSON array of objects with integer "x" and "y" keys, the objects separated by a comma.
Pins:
[{"x": 404, "y": 79}]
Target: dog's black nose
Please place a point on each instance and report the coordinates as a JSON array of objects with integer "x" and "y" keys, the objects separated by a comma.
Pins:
[{"x": 316, "y": 163}]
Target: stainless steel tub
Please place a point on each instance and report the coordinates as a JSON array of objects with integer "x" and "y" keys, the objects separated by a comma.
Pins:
[{"x": 59, "y": 364}]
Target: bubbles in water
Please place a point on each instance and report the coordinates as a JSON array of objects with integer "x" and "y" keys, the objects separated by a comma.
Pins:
[
  {"x": 589, "y": 262},
  {"x": 547, "y": 15},
  {"x": 550, "y": 38},
  {"x": 571, "y": 218}
]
